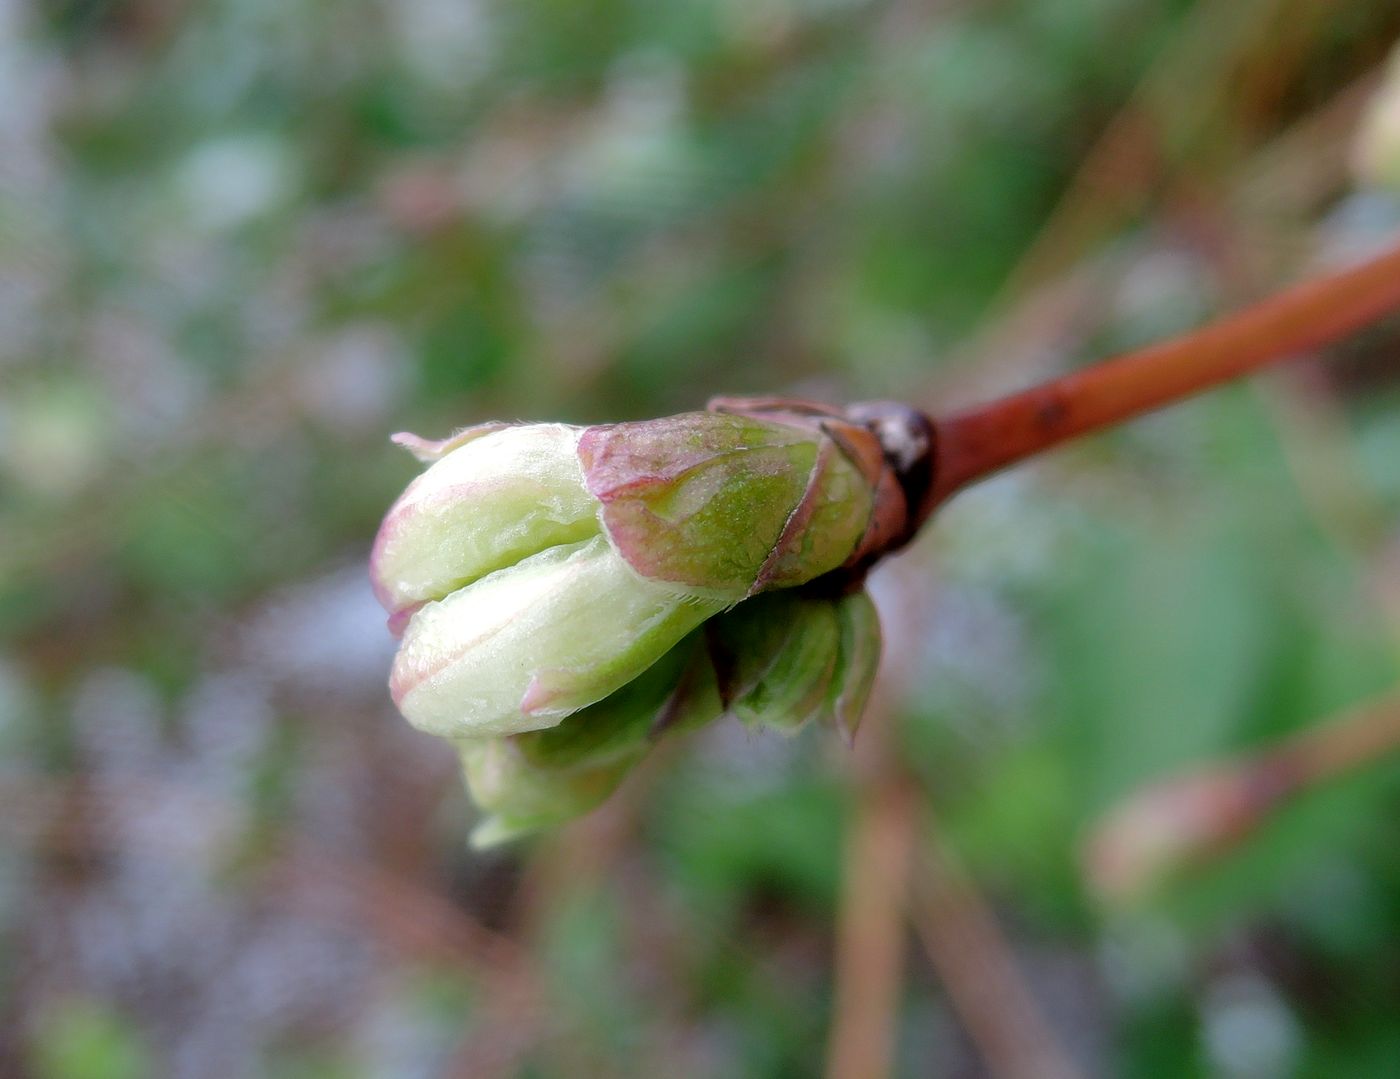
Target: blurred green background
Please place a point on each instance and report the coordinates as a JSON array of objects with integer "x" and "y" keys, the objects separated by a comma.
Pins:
[{"x": 242, "y": 241}]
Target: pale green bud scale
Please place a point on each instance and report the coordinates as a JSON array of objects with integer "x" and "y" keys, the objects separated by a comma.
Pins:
[
  {"x": 523, "y": 647},
  {"x": 486, "y": 504}
]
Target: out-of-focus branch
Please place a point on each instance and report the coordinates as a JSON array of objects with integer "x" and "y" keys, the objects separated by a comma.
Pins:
[
  {"x": 870, "y": 927},
  {"x": 870, "y": 934},
  {"x": 1191, "y": 89},
  {"x": 1287, "y": 179},
  {"x": 979, "y": 971},
  {"x": 1188, "y": 819},
  {"x": 1353, "y": 740}
]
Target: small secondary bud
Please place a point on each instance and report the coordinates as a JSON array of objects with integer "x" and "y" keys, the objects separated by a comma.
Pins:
[
  {"x": 789, "y": 658},
  {"x": 783, "y": 650},
  {"x": 518, "y": 797}
]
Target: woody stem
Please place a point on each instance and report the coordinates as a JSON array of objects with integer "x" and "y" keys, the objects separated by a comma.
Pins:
[
  {"x": 976, "y": 442},
  {"x": 1353, "y": 740}
]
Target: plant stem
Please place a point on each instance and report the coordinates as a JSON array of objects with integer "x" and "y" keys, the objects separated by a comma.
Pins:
[
  {"x": 871, "y": 930},
  {"x": 1193, "y": 817},
  {"x": 1353, "y": 740},
  {"x": 979, "y": 969},
  {"x": 981, "y": 440}
]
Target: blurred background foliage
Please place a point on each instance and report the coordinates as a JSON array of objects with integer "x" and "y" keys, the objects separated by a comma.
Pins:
[{"x": 242, "y": 241}]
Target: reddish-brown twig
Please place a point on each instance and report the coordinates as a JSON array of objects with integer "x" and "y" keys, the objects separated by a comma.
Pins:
[{"x": 984, "y": 439}]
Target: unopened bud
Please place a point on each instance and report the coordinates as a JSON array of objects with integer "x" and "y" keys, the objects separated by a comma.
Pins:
[{"x": 536, "y": 570}]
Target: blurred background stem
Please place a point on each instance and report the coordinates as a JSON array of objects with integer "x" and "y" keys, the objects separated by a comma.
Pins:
[
  {"x": 1195, "y": 816},
  {"x": 870, "y": 927},
  {"x": 1355, "y": 739},
  {"x": 978, "y": 966}
]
